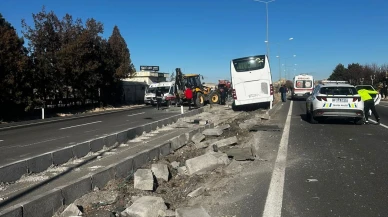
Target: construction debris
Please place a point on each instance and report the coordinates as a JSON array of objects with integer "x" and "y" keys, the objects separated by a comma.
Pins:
[
  {"x": 197, "y": 192},
  {"x": 206, "y": 162},
  {"x": 197, "y": 138},
  {"x": 71, "y": 210},
  {"x": 147, "y": 206},
  {"x": 160, "y": 171},
  {"x": 144, "y": 180},
  {"x": 240, "y": 154},
  {"x": 213, "y": 132},
  {"x": 226, "y": 142}
]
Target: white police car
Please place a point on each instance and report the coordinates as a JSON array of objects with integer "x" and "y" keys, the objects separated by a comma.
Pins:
[{"x": 334, "y": 99}]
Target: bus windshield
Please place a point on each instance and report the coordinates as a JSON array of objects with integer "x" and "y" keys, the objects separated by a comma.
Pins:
[
  {"x": 249, "y": 63},
  {"x": 303, "y": 83}
]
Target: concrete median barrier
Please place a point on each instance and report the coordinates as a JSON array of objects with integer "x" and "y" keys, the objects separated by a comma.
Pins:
[
  {"x": 154, "y": 153},
  {"x": 43, "y": 205},
  {"x": 40, "y": 163},
  {"x": 111, "y": 140},
  {"x": 147, "y": 127},
  {"x": 62, "y": 156},
  {"x": 13, "y": 172},
  {"x": 122, "y": 137},
  {"x": 124, "y": 168},
  {"x": 14, "y": 211},
  {"x": 46, "y": 204},
  {"x": 165, "y": 149},
  {"x": 140, "y": 159},
  {"x": 102, "y": 177},
  {"x": 97, "y": 144},
  {"x": 81, "y": 150},
  {"x": 131, "y": 133},
  {"x": 76, "y": 189},
  {"x": 139, "y": 130}
]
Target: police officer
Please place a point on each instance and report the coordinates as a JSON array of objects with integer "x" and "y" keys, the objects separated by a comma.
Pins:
[{"x": 369, "y": 104}]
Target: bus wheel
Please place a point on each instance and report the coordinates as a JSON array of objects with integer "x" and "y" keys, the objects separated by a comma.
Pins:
[{"x": 200, "y": 100}]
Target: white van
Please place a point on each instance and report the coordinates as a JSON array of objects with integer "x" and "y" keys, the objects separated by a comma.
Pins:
[
  {"x": 251, "y": 81},
  {"x": 168, "y": 91}
]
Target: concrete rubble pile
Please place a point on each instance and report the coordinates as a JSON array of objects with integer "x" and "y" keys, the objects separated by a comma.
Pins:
[{"x": 217, "y": 150}]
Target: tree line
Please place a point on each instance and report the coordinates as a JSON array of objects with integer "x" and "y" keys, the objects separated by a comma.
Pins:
[
  {"x": 356, "y": 74},
  {"x": 65, "y": 62}
]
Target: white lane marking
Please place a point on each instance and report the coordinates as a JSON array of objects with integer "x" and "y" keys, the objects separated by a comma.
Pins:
[
  {"x": 136, "y": 114},
  {"x": 273, "y": 203},
  {"x": 80, "y": 125},
  {"x": 35, "y": 143},
  {"x": 71, "y": 118},
  {"x": 1, "y": 140},
  {"x": 383, "y": 125}
]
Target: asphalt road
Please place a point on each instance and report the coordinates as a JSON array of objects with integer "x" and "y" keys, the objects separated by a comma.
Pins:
[
  {"x": 18, "y": 144},
  {"x": 336, "y": 168},
  {"x": 323, "y": 170}
]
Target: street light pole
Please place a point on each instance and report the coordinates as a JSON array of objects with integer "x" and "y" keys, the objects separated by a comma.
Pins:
[
  {"x": 278, "y": 56},
  {"x": 266, "y": 8}
]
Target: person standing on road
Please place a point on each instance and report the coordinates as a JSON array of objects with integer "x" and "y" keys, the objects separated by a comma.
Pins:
[
  {"x": 283, "y": 92},
  {"x": 158, "y": 95},
  {"x": 369, "y": 104},
  {"x": 222, "y": 95},
  {"x": 189, "y": 96}
]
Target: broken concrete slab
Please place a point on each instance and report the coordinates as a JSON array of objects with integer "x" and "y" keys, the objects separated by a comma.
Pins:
[
  {"x": 233, "y": 168},
  {"x": 213, "y": 132},
  {"x": 197, "y": 211},
  {"x": 226, "y": 142},
  {"x": 182, "y": 125},
  {"x": 175, "y": 164},
  {"x": 249, "y": 123},
  {"x": 240, "y": 154},
  {"x": 197, "y": 192},
  {"x": 97, "y": 197},
  {"x": 205, "y": 143},
  {"x": 224, "y": 126},
  {"x": 169, "y": 213},
  {"x": 71, "y": 210},
  {"x": 204, "y": 122},
  {"x": 265, "y": 116},
  {"x": 206, "y": 162},
  {"x": 147, "y": 206},
  {"x": 182, "y": 170},
  {"x": 144, "y": 180},
  {"x": 197, "y": 138},
  {"x": 160, "y": 171}
]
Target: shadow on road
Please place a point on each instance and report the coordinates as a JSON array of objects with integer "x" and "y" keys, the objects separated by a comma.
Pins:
[{"x": 329, "y": 121}]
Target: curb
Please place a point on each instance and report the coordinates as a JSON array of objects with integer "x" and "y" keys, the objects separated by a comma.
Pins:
[
  {"x": 46, "y": 204},
  {"x": 24, "y": 124},
  {"x": 14, "y": 171}
]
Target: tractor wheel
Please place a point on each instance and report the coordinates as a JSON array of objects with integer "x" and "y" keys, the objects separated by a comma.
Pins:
[
  {"x": 214, "y": 98},
  {"x": 199, "y": 100}
]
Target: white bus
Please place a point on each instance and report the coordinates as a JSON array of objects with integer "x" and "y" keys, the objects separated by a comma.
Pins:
[
  {"x": 251, "y": 81},
  {"x": 303, "y": 86}
]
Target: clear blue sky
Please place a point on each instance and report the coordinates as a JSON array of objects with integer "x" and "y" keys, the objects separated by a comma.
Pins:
[{"x": 202, "y": 36}]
